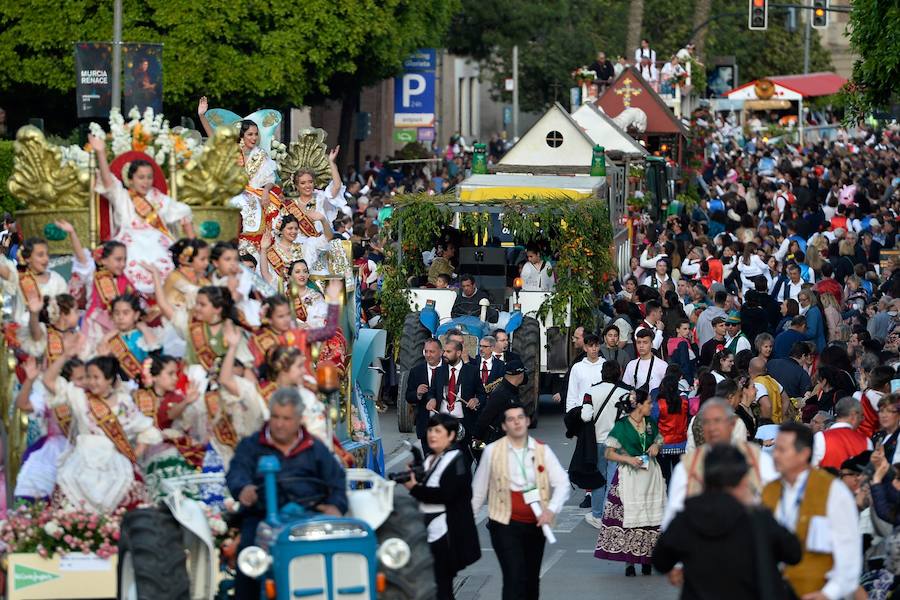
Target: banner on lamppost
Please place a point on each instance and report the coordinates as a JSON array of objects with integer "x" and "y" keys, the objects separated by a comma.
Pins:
[
  {"x": 93, "y": 79},
  {"x": 142, "y": 64}
]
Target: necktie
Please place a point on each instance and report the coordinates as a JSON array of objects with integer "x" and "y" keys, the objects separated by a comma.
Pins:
[
  {"x": 451, "y": 390},
  {"x": 484, "y": 372},
  {"x": 430, "y": 374}
]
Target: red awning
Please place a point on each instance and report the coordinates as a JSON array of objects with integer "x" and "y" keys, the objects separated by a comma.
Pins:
[{"x": 812, "y": 84}]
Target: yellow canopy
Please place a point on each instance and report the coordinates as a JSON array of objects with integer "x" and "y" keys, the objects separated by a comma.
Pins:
[{"x": 510, "y": 193}]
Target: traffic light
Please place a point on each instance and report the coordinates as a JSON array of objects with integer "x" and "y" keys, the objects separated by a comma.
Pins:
[
  {"x": 820, "y": 14},
  {"x": 759, "y": 14}
]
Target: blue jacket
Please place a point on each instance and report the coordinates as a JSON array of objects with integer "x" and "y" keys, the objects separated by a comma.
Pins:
[
  {"x": 784, "y": 341},
  {"x": 815, "y": 327},
  {"x": 310, "y": 459}
]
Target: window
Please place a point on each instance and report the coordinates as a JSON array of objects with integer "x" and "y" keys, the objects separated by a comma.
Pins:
[{"x": 554, "y": 139}]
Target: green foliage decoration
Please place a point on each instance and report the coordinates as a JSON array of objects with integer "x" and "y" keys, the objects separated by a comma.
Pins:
[
  {"x": 874, "y": 31},
  {"x": 580, "y": 237},
  {"x": 420, "y": 220},
  {"x": 7, "y": 202}
]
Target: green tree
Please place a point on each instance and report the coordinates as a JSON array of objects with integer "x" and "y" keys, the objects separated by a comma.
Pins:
[
  {"x": 555, "y": 37},
  {"x": 243, "y": 54},
  {"x": 875, "y": 36}
]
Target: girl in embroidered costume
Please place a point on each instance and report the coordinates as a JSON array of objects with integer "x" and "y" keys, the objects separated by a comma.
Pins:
[
  {"x": 132, "y": 341},
  {"x": 143, "y": 217},
  {"x": 261, "y": 198},
  {"x": 191, "y": 260},
  {"x": 280, "y": 328},
  {"x": 311, "y": 311},
  {"x": 37, "y": 478},
  {"x": 103, "y": 276},
  {"x": 286, "y": 367},
  {"x": 160, "y": 400},
  {"x": 298, "y": 240},
  {"x": 31, "y": 280},
  {"x": 204, "y": 330},
  {"x": 111, "y": 436},
  {"x": 637, "y": 496},
  {"x": 50, "y": 320},
  {"x": 228, "y": 273},
  {"x": 329, "y": 201}
]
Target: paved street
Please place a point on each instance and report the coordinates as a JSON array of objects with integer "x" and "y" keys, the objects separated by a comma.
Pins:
[{"x": 569, "y": 568}]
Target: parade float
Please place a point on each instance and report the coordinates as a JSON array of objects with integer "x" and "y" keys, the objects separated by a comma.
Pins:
[{"x": 47, "y": 551}]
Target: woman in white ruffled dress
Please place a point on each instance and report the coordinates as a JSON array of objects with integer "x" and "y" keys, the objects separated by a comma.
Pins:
[
  {"x": 143, "y": 217},
  {"x": 111, "y": 434}
]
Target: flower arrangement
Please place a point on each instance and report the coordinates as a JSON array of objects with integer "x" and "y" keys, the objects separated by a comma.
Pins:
[
  {"x": 359, "y": 432},
  {"x": 146, "y": 133},
  {"x": 680, "y": 78},
  {"x": 584, "y": 75},
  {"x": 49, "y": 530}
]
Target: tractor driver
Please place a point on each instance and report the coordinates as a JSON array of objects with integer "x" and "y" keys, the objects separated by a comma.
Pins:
[
  {"x": 308, "y": 472},
  {"x": 468, "y": 302}
]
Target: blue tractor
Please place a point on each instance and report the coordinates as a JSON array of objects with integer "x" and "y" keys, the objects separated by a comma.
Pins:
[
  {"x": 379, "y": 552},
  {"x": 427, "y": 323}
]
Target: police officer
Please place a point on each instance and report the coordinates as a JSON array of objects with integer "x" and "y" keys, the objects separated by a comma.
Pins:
[{"x": 501, "y": 394}]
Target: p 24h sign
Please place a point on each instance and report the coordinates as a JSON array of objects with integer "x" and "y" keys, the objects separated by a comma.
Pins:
[{"x": 414, "y": 90}]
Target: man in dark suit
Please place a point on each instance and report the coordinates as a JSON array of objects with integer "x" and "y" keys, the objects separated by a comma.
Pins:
[
  {"x": 456, "y": 389},
  {"x": 419, "y": 383},
  {"x": 490, "y": 368},
  {"x": 501, "y": 348}
]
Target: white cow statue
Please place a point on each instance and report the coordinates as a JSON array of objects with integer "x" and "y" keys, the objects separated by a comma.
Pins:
[{"x": 632, "y": 119}]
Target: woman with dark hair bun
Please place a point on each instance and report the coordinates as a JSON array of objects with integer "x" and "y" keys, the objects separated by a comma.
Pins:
[
  {"x": 29, "y": 280},
  {"x": 261, "y": 198},
  {"x": 637, "y": 493},
  {"x": 191, "y": 259},
  {"x": 298, "y": 238},
  {"x": 144, "y": 218}
]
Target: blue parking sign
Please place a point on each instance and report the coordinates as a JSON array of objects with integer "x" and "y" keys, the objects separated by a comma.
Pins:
[{"x": 414, "y": 91}]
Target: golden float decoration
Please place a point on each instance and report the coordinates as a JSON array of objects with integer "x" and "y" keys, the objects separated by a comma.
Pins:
[
  {"x": 53, "y": 190},
  {"x": 308, "y": 152},
  {"x": 764, "y": 89}
]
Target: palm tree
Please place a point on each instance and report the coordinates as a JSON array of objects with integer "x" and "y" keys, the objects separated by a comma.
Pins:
[
  {"x": 701, "y": 14},
  {"x": 635, "y": 24}
]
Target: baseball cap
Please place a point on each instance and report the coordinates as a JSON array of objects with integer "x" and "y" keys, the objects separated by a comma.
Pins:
[
  {"x": 733, "y": 318},
  {"x": 515, "y": 367}
]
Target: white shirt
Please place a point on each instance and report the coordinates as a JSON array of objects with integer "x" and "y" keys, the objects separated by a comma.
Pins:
[
  {"x": 841, "y": 525},
  {"x": 678, "y": 486},
  {"x": 599, "y": 393},
  {"x": 559, "y": 480},
  {"x": 640, "y": 53},
  {"x": 482, "y": 364},
  {"x": 430, "y": 370},
  {"x": 584, "y": 374},
  {"x": 819, "y": 442},
  {"x": 794, "y": 289},
  {"x": 642, "y": 368},
  {"x": 656, "y": 331},
  {"x": 534, "y": 280},
  {"x": 458, "y": 402},
  {"x": 437, "y": 527}
]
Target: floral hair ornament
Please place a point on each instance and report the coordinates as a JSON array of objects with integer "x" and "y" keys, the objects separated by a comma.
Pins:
[
  {"x": 52, "y": 309},
  {"x": 97, "y": 253},
  {"x": 186, "y": 255}
]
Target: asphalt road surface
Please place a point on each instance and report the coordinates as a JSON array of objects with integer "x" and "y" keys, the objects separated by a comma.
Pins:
[{"x": 569, "y": 569}]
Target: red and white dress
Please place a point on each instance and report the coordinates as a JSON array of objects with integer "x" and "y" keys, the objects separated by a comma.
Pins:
[{"x": 144, "y": 224}]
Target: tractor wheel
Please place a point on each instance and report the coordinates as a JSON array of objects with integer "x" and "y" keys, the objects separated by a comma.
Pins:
[
  {"x": 152, "y": 563},
  {"x": 526, "y": 342},
  {"x": 411, "y": 345},
  {"x": 415, "y": 581}
]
